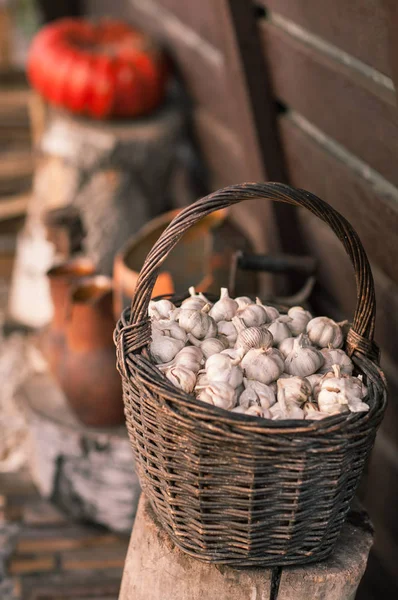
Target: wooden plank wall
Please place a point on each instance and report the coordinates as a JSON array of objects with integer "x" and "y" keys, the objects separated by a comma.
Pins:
[{"x": 329, "y": 66}]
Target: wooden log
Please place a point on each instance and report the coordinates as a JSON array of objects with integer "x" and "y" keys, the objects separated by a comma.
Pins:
[
  {"x": 117, "y": 173},
  {"x": 156, "y": 570},
  {"x": 87, "y": 472}
]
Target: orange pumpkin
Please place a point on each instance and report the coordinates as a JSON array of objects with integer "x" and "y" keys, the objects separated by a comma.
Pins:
[{"x": 104, "y": 69}]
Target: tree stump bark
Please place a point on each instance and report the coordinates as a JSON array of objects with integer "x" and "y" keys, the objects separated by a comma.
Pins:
[
  {"x": 87, "y": 472},
  {"x": 118, "y": 174},
  {"x": 156, "y": 570}
]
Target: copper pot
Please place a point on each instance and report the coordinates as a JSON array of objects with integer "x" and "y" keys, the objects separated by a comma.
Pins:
[
  {"x": 62, "y": 278},
  {"x": 87, "y": 373}
]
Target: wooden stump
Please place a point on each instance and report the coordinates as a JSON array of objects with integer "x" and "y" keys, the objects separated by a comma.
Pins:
[
  {"x": 89, "y": 473},
  {"x": 156, "y": 570},
  {"x": 117, "y": 173}
]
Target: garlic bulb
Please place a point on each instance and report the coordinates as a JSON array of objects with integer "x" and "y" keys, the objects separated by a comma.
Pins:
[
  {"x": 315, "y": 382},
  {"x": 228, "y": 329},
  {"x": 341, "y": 391},
  {"x": 182, "y": 378},
  {"x": 202, "y": 380},
  {"x": 251, "y": 337},
  {"x": 163, "y": 348},
  {"x": 221, "y": 368},
  {"x": 325, "y": 332},
  {"x": 188, "y": 357},
  {"x": 293, "y": 390},
  {"x": 211, "y": 345},
  {"x": 197, "y": 322},
  {"x": 195, "y": 302},
  {"x": 299, "y": 319},
  {"x": 312, "y": 412},
  {"x": 303, "y": 360},
  {"x": 286, "y": 346},
  {"x": 336, "y": 357},
  {"x": 219, "y": 394},
  {"x": 225, "y": 308},
  {"x": 234, "y": 354},
  {"x": 258, "y": 411},
  {"x": 264, "y": 365},
  {"x": 243, "y": 301},
  {"x": 170, "y": 328},
  {"x": 160, "y": 309},
  {"x": 253, "y": 315},
  {"x": 280, "y": 330},
  {"x": 290, "y": 411},
  {"x": 272, "y": 312},
  {"x": 257, "y": 393}
]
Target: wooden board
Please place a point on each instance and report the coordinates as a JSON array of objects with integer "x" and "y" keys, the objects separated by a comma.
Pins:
[
  {"x": 371, "y": 206},
  {"x": 359, "y": 26},
  {"x": 199, "y": 63},
  {"x": 349, "y": 107},
  {"x": 200, "y": 16},
  {"x": 221, "y": 148}
]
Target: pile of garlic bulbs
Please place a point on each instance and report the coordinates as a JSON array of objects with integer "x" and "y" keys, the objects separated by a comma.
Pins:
[{"x": 246, "y": 357}]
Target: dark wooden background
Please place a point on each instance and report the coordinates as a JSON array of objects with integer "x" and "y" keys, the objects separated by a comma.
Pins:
[{"x": 303, "y": 91}]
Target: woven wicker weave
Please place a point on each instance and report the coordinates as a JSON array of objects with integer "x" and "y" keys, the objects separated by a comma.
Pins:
[{"x": 239, "y": 490}]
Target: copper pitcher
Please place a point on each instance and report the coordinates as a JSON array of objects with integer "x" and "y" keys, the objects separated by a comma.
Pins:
[
  {"x": 62, "y": 278},
  {"x": 87, "y": 373}
]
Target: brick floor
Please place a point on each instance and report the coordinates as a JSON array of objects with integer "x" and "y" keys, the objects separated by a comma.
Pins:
[{"x": 54, "y": 558}]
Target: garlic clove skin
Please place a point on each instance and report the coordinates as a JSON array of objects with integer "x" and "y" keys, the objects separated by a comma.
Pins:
[
  {"x": 299, "y": 319},
  {"x": 225, "y": 308},
  {"x": 303, "y": 360},
  {"x": 286, "y": 346},
  {"x": 272, "y": 312},
  {"x": 251, "y": 337},
  {"x": 336, "y": 357},
  {"x": 219, "y": 394},
  {"x": 264, "y": 365},
  {"x": 235, "y": 354},
  {"x": 315, "y": 381},
  {"x": 198, "y": 323},
  {"x": 239, "y": 409},
  {"x": 258, "y": 411},
  {"x": 211, "y": 345},
  {"x": 253, "y": 315},
  {"x": 163, "y": 349},
  {"x": 257, "y": 393},
  {"x": 171, "y": 328},
  {"x": 325, "y": 333},
  {"x": 281, "y": 413},
  {"x": 227, "y": 328},
  {"x": 243, "y": 301},
  {"x": 293, "y": 390},
  {"x": 280, "y": 330},
  {"x": 312, "y": 412},
  {"x": 182, "y": 378},
  {"x": 160, "y": 309},
  {"x": 337, "y": 388},
  {"x": 221, "y": 368},
  {"x": 195, "y": 302}
]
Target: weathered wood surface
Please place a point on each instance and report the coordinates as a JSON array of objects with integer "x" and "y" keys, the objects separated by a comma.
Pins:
[
  {"x": 367, "y": 201},
  {"x": 116, "y": 173},
  {"x": 156, "y": 570},
  {"x": 357, "y": 112},
  {"x": 87, "y": 472},
  {"x": 359, "y": 27}
]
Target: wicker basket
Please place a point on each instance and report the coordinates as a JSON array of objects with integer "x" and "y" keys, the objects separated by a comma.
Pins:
[{"x": 239, "y": 490}]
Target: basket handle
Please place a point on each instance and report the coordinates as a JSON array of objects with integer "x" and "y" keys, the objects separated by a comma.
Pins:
[{"x": 360, "y": 335}]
